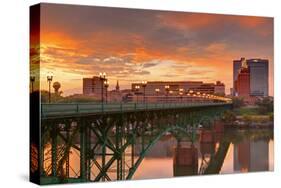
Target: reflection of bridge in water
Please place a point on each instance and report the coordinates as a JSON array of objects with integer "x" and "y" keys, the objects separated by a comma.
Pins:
[{"x": 111, "y": 140}]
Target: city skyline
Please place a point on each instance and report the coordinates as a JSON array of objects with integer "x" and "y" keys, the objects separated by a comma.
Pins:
[{"x": 131, "y": 45}]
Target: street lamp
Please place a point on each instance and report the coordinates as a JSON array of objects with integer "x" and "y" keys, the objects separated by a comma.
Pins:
[
  {"x": 106, "y": 84},
  {"x": 167, "y": 87},
  {"x": 49, "y": 80},
  {"x": 181, "y": 90},
  {"x": 157, "y": 90},
  {"x": 32, "y": 80},
  {"x": 102, "y": 79},
  {"x": 144, "y": 83},
  {"x": 181, "y": 95},
  {"x": 137, "y": 87}
]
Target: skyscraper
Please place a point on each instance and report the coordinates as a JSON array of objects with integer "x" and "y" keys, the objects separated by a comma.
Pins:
[
  {"x": 243, "y": 82},
  {"x": 258, "y": 77},
  {"x": 258, "y": 72}
]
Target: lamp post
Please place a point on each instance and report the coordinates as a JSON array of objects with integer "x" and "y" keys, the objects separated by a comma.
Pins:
[
  {"x": 190, "y": 92},
  {"x": 137, "y": 87},
  {"x": 32, "y": 80},
  {"x": 102, "y": 79},
  {"x": 49, "y": 80},
  {"x": 106, "y": 84},
  {"x": 167, "y": 87},
  {"x": 144, "y": 83},
  {"x": 181, "y": 90},
  {"x": 181, "y": 95},
  {"x": 157, "y": 90}
]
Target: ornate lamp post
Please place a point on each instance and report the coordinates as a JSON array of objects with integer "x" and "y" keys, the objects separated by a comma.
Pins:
[
  {"x": 167, "y": 87},
  {"x": 32, "y": 80},
  {"x": 137, "y": 87},
  {"x": 102, "y": 79},
  {"x": 106, "y": 84},
  {"x": 143, "y": 84},
  {"x": 49, "y": 80}
]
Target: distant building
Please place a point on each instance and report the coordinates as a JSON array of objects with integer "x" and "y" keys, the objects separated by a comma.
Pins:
[
  {"x": 243, "y": 82},
  {"x": 258, "y": 72},
  {"x": 88, "y": 86},
  {"x": 237, "y": 64},
  {"x": 115, "y": 95},
  {"x": 93, "y": 86},
  {"x": 258, "y": 76},
  {"x": 154, "y": 88},
  {"x": 219, "y": 88},
  {"x": 231, "y": 91}
]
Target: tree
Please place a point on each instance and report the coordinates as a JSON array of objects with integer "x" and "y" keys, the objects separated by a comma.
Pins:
[
  {"x": 229, "y": 116},
  {"x": 265, "y": 105},
  {"x": 238, "y": 102}
]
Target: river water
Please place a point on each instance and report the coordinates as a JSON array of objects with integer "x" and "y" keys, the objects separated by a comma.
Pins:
[
  {"x": 248, "y": 151},
  {"x": 233, "y": 151}
]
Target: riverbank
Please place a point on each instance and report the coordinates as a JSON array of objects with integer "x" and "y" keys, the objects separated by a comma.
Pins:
[{"x": 251, "y": 117}]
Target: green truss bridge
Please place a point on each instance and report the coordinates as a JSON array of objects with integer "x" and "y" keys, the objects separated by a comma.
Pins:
[
  {"x": 80, "y": 109},
  {"x": 104, "y": 142}
]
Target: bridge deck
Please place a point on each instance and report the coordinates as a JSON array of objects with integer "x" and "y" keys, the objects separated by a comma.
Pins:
[{"x": 62, "y": 110}]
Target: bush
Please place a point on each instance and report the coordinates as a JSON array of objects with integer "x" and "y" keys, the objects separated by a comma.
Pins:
[
  {"x": 229, "y": 116},
  {"x": 238, "y": 102},
  {"x": 265, "y": 105}
]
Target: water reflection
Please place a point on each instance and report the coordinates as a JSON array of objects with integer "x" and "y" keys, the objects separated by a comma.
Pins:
[
  {"x": 244, "y": 154},
  {"x": 220, "y": 153}
]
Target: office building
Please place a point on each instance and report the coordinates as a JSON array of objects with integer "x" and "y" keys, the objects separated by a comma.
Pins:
[
  {"x": 258, "y": 75},
  {"x": 242, "y": 83},
  {"x": 154, "y": 88},
  {"x": 93, "y": 86}
]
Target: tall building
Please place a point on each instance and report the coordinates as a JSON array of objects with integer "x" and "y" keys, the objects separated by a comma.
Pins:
[
  {"x": 236, "y": 67},
  {"x": 243, "y": 82},
  {"x": 258, "y": 76},
  {"x": 258, "y": 72},
  {"x": 93, "y": 86}
]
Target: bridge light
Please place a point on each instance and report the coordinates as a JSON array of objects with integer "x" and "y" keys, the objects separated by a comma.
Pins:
[
  {"x": 49, "y": 80},
  {"x": 106, "y": 83},
  {"x": 102, "y": 75}
]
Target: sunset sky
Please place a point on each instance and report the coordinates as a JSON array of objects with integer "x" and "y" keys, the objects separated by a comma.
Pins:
[{"x": 133, "y": 45}]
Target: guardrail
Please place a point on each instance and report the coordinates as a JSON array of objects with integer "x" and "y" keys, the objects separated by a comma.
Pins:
[{"x": 51, "y": 110}]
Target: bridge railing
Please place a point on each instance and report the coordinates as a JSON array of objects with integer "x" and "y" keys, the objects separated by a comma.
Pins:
[{"x": 49, "y": 110}]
